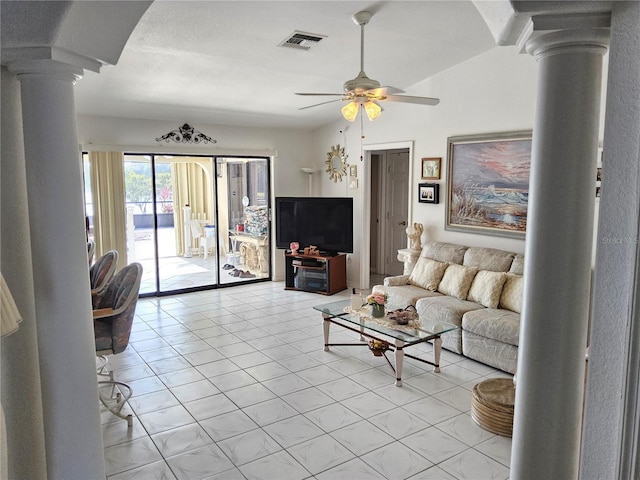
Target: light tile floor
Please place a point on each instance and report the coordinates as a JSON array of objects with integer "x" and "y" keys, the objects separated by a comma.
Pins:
[{"x": 234, "y": 384}]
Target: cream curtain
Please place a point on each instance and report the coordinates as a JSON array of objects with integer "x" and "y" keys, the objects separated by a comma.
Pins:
[
  {"x": 109, "y": 212},
  {"x": 192, "y": 186}
]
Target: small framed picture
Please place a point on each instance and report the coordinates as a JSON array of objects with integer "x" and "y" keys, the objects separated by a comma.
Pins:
[
  {"x": 353, "y": 170},
  {"x": 429, "y": 193},
  {"x": 431, "y": 168}
]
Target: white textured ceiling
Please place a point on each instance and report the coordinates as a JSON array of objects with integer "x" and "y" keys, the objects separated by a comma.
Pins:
[{"x": 219, "y": 62}]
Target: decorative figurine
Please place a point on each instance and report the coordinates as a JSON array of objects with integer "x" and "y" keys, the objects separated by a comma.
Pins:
[{"x": 414, "y": 233}]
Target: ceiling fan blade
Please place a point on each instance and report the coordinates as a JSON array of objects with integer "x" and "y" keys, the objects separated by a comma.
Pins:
[
  {"x": 383, "y": 91},
  {"x": 322, "y": 94},
  {"x": 364, "y": 90},
  {"x": 411, "y": 99},
  {"x": 318, "y": 104}
]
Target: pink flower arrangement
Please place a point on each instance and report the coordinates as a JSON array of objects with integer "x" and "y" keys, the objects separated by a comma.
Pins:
[{"x": 379, "y": 298}]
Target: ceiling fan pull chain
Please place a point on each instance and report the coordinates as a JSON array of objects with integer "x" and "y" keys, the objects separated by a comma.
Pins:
[{"x": 361, "y": 139}]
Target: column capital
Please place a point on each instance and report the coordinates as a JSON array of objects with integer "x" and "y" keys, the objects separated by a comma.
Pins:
[
  {"x": 543, "y": 44},
  {"x": 46, "y": 67},
  {"x": 511, "y": 22}
]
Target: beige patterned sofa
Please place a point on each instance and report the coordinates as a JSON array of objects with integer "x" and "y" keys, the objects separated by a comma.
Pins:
[{"x": 477, "y": 289}]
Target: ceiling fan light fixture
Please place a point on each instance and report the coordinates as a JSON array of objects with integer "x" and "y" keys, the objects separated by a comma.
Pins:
[
  {"x": 350, "y": 111},
  {"x": 364, "y": 91},
  {"x": 373, "y": 109}
]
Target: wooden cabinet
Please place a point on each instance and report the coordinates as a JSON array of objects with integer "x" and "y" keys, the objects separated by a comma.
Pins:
[{"x": 315, "y": 273}]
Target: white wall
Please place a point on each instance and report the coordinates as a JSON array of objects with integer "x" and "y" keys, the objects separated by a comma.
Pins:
[
  {"x": 493, "y": 92},
  {"x": 611, "y": 439}
]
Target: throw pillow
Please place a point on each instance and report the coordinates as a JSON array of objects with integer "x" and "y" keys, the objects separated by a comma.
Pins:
[
  {"x": 511, "y": 297},
  {"x": 427, "y": 273},
  {"x": 486, "y": 288},
  {"x": 456, "y": 280}
]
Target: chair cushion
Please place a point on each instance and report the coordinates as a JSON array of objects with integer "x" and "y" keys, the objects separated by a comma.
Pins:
[
  {"x": 427, "y": 273},
  {"x": 456, "y": 281},
  {"x": 486, "y": 288},
  {"x": 511, "y": 297}
]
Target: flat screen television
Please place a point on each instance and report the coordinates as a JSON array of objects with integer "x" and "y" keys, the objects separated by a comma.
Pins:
[{"x": 326, "y": 223}]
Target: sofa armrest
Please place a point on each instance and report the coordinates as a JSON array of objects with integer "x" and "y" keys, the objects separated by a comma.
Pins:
[{"x": 396, "y": 281}]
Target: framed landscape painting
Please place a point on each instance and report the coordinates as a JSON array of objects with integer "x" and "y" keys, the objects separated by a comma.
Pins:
[{"x": 488, "y": 183}]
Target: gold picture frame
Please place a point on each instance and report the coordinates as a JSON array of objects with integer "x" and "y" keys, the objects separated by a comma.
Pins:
[
  {"x": 488, "y": 183},
  {"x": 431, "y": 168}
]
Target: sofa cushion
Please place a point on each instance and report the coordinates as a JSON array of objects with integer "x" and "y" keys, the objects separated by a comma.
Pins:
[
  {"x": 444, "y": 252},
  {"x": 517, "y": 267},
  {"x": 486, "y": 288},
  {"x": 488, "y": 259},
  {"x": 450, "y": 310},
  {"x": 491, "y": 352},
  {"x": 511, "y": 297},
  {"x": 496, "y": 324},
  {"x": 427, "y": 273},
  {"x": 456, "y": 281},
  {"x": 403, "y": 296}
]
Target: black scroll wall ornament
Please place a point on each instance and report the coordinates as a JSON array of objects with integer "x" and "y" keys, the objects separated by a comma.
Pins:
[{"x": 186, "y": 134}]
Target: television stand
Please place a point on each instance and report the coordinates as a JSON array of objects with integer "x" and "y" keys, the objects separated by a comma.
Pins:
[{"x": 325, "y": 273}]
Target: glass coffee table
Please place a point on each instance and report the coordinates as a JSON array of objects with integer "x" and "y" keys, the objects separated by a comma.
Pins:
[{"x": 384, "y": 334}]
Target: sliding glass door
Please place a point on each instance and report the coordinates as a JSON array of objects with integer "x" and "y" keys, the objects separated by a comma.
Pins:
[
  {"x": 243, "y": 217},
  {"x": 188, "y": 231},
  {"x": 141, "y": 231}
]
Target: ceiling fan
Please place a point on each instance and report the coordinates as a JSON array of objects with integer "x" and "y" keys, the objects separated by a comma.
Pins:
[{"x": 363, "y": 91}]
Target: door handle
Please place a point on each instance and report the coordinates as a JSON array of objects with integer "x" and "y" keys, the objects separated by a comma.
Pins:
[{"x": 403, "y": 223}]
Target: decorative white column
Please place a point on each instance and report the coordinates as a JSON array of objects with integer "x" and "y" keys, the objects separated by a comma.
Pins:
[
  {"x": 66, "y": 344},
  {"x": 559, "y": 242}
]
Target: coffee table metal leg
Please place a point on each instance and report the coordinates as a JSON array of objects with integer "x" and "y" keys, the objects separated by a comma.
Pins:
[
  {"x": 399, "y": 361},
  {"x": 437, "y": 347},
  {"x": 362, "y": 339},
  {"x": 325, "y": 326}
]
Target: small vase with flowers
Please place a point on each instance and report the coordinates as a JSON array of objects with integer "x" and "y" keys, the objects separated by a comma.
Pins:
[{"x": 377, "y": 302}]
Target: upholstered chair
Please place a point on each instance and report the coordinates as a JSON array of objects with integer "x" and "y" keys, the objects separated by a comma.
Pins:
[
  {"x": 113, "y": 314},
  {"x": 101, "y": 272},
  {"x": 91, "y": 251}
]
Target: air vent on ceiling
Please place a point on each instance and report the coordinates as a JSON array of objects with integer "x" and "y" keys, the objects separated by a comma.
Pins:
[{"x": 301, "y": 40}]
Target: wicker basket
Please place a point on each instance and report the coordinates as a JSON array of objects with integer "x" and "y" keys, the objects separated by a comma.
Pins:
[
  {"x": 492, "y": 405},
  {"x": 378, "y": 347}
]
